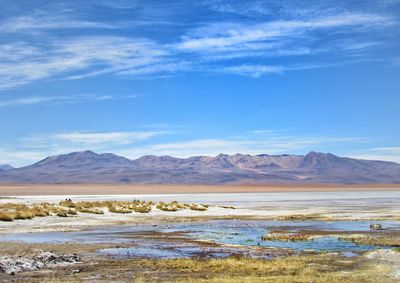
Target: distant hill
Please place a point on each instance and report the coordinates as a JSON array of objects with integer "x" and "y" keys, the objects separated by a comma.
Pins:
[
  {"x": 4, "y": 167},
  {"x": 315, "y": 167}
]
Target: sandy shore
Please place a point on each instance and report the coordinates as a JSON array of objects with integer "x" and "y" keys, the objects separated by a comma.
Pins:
[{"x": 115, "y": 189}]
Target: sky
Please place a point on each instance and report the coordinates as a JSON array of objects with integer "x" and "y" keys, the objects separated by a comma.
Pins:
[{"x": 202, "y": 77}]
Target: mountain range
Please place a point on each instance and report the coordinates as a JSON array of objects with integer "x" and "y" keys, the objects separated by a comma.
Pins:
[{"x": 314, "y": 167}]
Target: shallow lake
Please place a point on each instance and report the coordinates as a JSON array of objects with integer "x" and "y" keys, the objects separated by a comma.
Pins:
[{"x": 243, "y": 236}]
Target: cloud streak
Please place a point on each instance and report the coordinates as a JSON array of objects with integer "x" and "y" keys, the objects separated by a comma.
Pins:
[
  {"x": 380, "y": 153},
  {"x": 79, "y": 57},
  {"x": 28, "y": 24},
  {"x": 36, "y": 52},
  {"x": 104, "y": 137},
  {"x": 56, "y": 100},
  {"x": 254, "y": 142},
  {"x": 221, "y": 36}
]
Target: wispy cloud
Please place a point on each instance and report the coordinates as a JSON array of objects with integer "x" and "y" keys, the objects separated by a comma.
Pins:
[
  {"x": 254, "y": 142},
  {"x": 379, "y": 153},
  {"x": 55, "y": 100},
  {"x": 133, "y": 144},
  {"x": 33, "y": 50},
  {"x": 46, "y": 22},
  {"x": 93, "y": 140},
  {"x": 253, "y": 70},
  {"x": 227, "y": 34},
  {"x": 20, "y": 157},
  {"x": 105, "y": 137},
  {"x": 79, "y": 57}
]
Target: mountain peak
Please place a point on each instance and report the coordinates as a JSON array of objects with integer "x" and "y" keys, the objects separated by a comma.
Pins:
[
  {"x": 323, "y": 161},
  {"x": 85, "y": 158}
]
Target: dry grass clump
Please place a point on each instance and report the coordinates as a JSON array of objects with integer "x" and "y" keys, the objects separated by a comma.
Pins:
[
  {"x": 65, "y": 208},
  {"x": 118, "y": 209},
  {"x": 13, "y": 206},
  {"x": 387, "y": 239},
  {"x": 286, "y": 237},
  {"x": 90, "y": 210},
  {"x": 67, "y": 203},
  {"x": 72, "y": 212},
  {"x": 7, "y": 215},
  {"x": 167, "y": 206},
  {"x": 11, "y": 211},
  {"x": 142, "y": 208},
  {"x": 40, "y": 211},
  {"x": 24, "y": 214},
  {"x": 175, "y": 206},
  {"x": 114, "y": 206},
  {"x": 198, "y": 207},
  {"x": 311, "y": 268},
  {"x": 62, "y": 214},
  {"x": 302, "y": 217}
]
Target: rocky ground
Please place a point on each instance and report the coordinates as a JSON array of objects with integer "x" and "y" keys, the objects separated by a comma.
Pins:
[{"x": 42, "y": 259}]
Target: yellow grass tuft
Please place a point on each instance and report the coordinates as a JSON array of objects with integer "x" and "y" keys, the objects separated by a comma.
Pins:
[
  {"x": 7, "y": 215},
  {"x": 24, "y": 214},
  {"x": 118, "y": 209},
  {"x": 90, "y": 210},
  {"x": 67, "y": 203},
  {"x": 198, "y": 207}
]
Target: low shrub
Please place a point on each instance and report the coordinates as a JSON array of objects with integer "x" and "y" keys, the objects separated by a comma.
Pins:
[
  {"x": 198, "y": 207},
  {"x": 90, "y": 210},
  {"x": 62, "y": 214},
  {"x": 142, "y": 208},
  {"x": 39, "y": 211},
  {"x": 118, "y": 209},
  {"x": 67, "y": 203},
  {"x": 7, "y": 215},
  {"x": 72, "y": 212},
  {"x": 24, "y": 214}
]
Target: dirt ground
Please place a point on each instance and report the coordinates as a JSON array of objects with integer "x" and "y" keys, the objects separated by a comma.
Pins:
[{"x": 107, "y": 189}]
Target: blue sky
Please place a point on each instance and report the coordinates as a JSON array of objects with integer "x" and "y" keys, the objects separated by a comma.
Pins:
[{"x": 199, "y": 78}]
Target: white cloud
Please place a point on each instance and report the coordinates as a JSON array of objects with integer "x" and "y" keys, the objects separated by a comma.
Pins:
[
  {"x": 379, "y": 153},
  {"x": 20, "y": 157},
  {"x": 55, "y": 100},
  {"x": 227, "y": 34},
  {"x": 253, "y": 70},
  {"x": 255, "y": 142},
  {"x": 104, "y": 138},
  {"x": 88, "y": 140},
  {"x": 35, "y": 52},
  {"x": 79, "y": 57},
  {"x": 47, "y": 22}
]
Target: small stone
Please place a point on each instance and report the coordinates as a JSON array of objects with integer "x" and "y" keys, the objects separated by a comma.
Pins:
[{"x": 375, "y": 226}]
